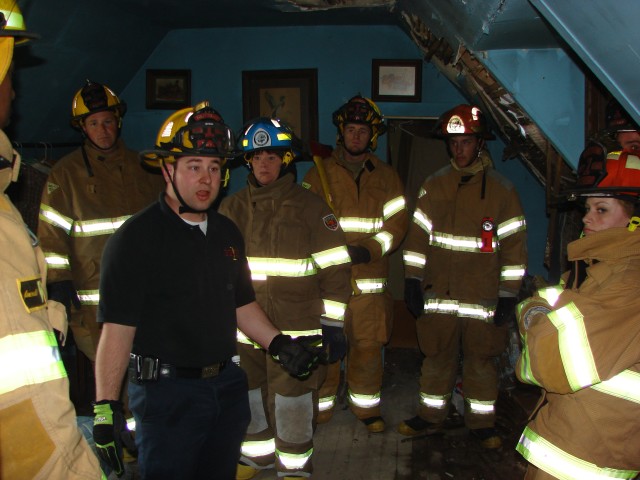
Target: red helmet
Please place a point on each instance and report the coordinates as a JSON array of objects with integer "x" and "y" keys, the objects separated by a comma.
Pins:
[{"x": 463, "y": 120}]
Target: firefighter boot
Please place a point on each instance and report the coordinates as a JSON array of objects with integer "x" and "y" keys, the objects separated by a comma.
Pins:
[
  {"x": 418, "y": 426},
  {"x": 245, "y": 472},
  {"x": 488, "y": 437},
  {"x": 374, "y": 424}
]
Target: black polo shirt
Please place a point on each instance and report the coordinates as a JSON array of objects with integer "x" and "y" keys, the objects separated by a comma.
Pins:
[{"x": 178, "y": 287}]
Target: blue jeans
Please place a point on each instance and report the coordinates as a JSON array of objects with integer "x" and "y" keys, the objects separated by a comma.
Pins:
[{"x": 191, "y": 428}]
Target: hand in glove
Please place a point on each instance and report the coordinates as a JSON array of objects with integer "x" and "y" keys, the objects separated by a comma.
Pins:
[
  {"x": 358, "y": 254},
  {"x": 414, "y": 296},
  {"x": 110, "y": 433},
  {"x": 297, "y": 356},
  {"x": 505, "y": 310},
  {"x": 335, "y": 340},
  {"x": 65, "y": 293}
]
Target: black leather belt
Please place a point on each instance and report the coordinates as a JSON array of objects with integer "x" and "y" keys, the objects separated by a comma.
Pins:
[
  {"x": 210, "y": 371},
  {"x": 148, "y": 369}
]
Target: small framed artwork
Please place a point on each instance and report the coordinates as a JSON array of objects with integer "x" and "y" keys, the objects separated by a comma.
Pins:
[
  {"x": 168, "y": 89},
  {"x": 396, "y": 80},
  {"x": 290, "y": 95}
]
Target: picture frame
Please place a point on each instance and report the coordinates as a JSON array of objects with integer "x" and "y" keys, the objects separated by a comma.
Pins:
[
  {"x": 168, "y": 89},
  {"x": 290, "y": 95},
  {"x": 396, "y": 80}
]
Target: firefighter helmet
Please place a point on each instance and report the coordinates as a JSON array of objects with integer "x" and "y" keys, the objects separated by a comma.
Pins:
[
  {"x": 616, "y": 174},
  {"x": 269, "y": 134},
  {"x": 12, "y": 22},
  {"x": 193, "y": 131},
  {"x": 463, "y": 120},
  {"x": 360, "y": 110},
  {"x": 92, "y": 98},
  {"x": 618, "y": 120}
]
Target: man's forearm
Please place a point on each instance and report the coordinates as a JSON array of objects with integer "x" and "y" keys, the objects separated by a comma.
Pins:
[
  {"x": 255, "y": 324},
  {"x": 112, "y": 359}
]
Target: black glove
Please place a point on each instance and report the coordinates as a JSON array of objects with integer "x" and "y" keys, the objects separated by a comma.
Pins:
[
  {"x": 414, "y": 296},
  {"x": 358, "y": 254},
  {"x": 297, "y": 356},
  {"x": 110, "y": 433},
  {"x": 505, "y": 310},
  {"x": 336, "y": 341},
  {"x": 65, "y": 293}
]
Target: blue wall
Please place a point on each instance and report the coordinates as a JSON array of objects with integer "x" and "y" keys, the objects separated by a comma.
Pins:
[{"x": 342, "y": 56}]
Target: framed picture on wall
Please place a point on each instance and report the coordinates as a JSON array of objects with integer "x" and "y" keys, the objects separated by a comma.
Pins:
[
  {"x": 290, "y": 95},
  {"x": 396, "y": 80},
  {"x": 168, "y": 89}
]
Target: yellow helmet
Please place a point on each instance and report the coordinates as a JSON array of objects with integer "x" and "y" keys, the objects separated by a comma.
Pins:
[
  {"x": 12, "y": 22},
  {"x": 360, "y": 110},
  {"x": 193, "y": 131},
  {"x": 92, "y": 98}
]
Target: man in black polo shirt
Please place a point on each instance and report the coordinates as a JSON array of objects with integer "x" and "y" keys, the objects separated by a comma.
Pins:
[{"x": 175, "y": 284}]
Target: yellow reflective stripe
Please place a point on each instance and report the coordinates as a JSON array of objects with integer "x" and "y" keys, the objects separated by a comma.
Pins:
[
  {"x": 55, "y": 260},
  {"x": 422, "y": 192},
  {"x": 625, "y": 385},
  {"x": 550, "y": 294},
  {"x": 458, "y": 243},
  {"x": 15, "y": 20},
  {"x": 101, "y": 226},
  {"x": 454, "y": 307},
  {"x": 577, "y": 358},
  {"x": 414, "y": 259},
  {"x": 423, "y": 221},
  {"x": 326, "y": 403},
  {"x": 258, "y": 448},
  {"x": 55, "y": 218},
  {"x": 303, "y": 333},
  {"x": 511, "y": 226},
  {"x": 483, "y": 407},
  {"x": 371, "y": 285},
  {"x": 261, "y": 268},
  {"x": 512, "y": 272},
  {"x": 293, "y": 461},
  {"x": 393, "y": 206},
  {"x": 526, "y": 374},
  {"x": 333, "y": 256},
  {"x": 334, "y": 310},
  {"x": 29, "y": 359},
  {"x": 361, "y": 225},
  {"x": 364, "y": 401},
  {"x": 562, "y": 465},
  {"x": 434, "y": 401},
  {"x": 89, "y": 297},
  {"x": 385, "y": 240}
]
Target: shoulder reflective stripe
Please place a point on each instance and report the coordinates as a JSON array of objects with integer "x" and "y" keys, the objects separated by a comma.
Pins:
[
  {"x": 326, "y": 403},
  {"x": 55, "y": 218},
  {"x": 512, "y": 272},
  {"x": 258, "y": 448},
  {"x": 550, "y": 294},
  {"x": 102, "y": 226},
  {"x": 364, "y": 401},
  {"x": 361, "y": 225},
  {"x": 511, "y": 226},
  {"x": 562, "y": 465},
  {"x": 423, "y": 221},
  {"x": 576, "y": 354},
  {"x": 434, "y": 401},
  {"x": 57, "y": 261},
  {"x": 385, "y": 239},
  {"x": 454, "y": 307},
  {"x": 334, "y": 310},
  {"x": 483, "y": 407},
  {"x": 29, "y": 359},
  {"x": 294, "y": 461},
  {"x": 261, "y": 268},
  {"x": 393, "y": 206},
  {"x": 463, "y": 244},
  {"x": 89, "y": 297},
  {"x": 526, "y": 374},
  {"x": 625, "y": 385},
  {"x": 332, "y": 256},
  {"x": 371, "y": 285},
  {"x": 414, "y": 259}
]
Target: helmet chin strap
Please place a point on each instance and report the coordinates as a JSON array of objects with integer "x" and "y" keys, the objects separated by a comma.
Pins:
[{"x": 184, "y": 206}]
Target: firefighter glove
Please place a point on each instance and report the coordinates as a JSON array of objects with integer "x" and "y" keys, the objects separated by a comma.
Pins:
[
  {"x": 335, "y": 340},
  {"x": 505, "y": 310},
  {"x": 414, "y": 296},
  {"x": 297, "y": 356},
  {"x": 358, "y": 254},
  {"x": 65, "y": 293},
  {"x": 110, "y": 433}
]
